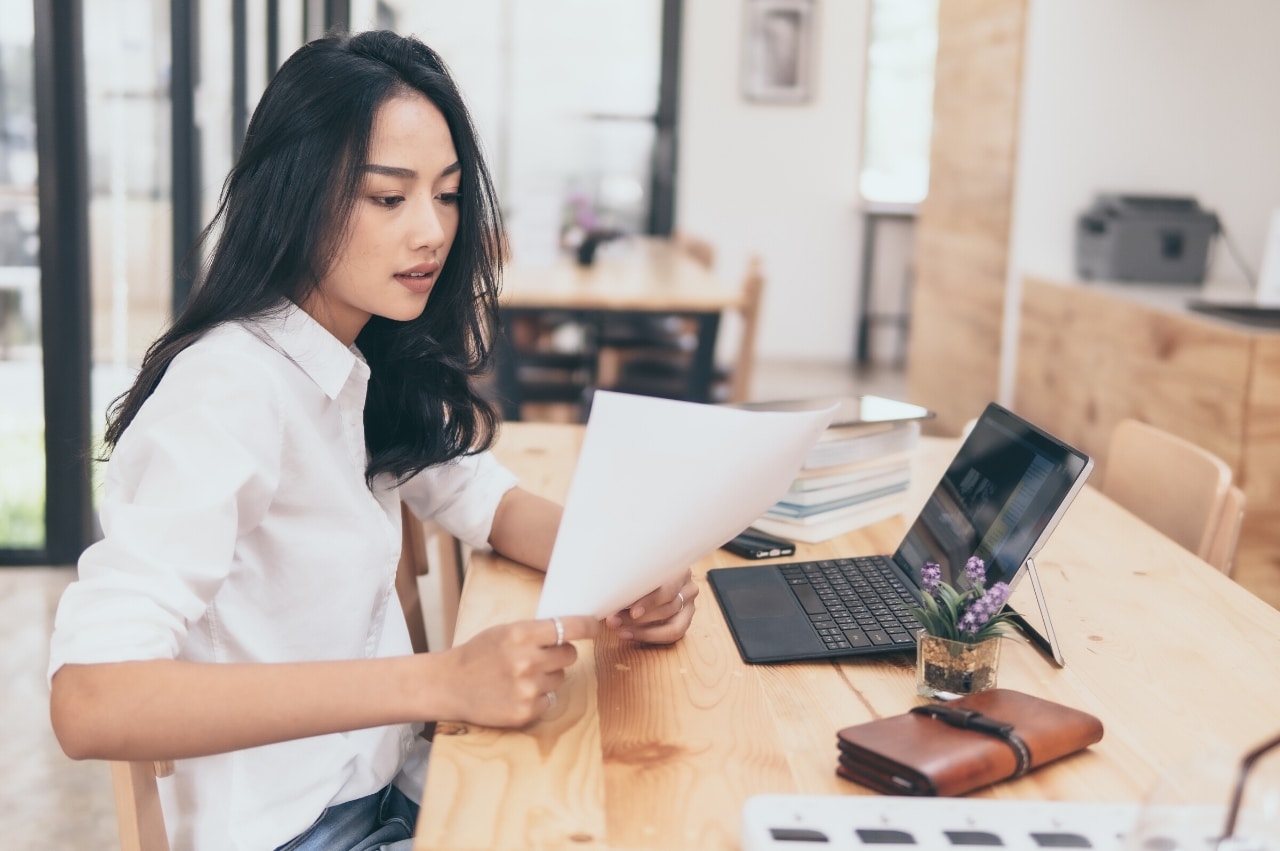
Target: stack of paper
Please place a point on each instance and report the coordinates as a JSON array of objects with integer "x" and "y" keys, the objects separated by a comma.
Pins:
[{"x": 856, "y": 474}]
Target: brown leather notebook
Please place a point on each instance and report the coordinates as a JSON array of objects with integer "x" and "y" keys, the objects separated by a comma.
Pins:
[{"x": 953, "y": 748}]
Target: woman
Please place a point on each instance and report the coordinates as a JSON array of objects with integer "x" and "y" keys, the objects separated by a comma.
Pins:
[{"x": 320, "y": 374}]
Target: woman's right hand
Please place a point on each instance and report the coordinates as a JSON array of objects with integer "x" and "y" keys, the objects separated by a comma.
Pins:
[{"x": 507, "y": 675}]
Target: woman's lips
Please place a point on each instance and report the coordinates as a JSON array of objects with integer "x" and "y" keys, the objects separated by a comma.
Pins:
[{"x": 417, "y": 282}]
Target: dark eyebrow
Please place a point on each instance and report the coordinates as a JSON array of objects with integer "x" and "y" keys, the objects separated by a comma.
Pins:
[
  {"x": 407, "y": 173},
  {"x": 389, "y": 171}
]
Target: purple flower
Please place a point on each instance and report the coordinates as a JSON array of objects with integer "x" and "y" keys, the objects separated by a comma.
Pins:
[
  {"x": 966, "y": 611},
  {"x": 976, "y": 569},
  {"x": 984, "y": 608},
  {"x": 930, "y": 577}
]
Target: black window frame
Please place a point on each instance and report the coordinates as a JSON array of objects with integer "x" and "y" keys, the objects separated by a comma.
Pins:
[{"x": 62, "y": 193}]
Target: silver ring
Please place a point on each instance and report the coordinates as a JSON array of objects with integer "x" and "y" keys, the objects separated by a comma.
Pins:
[
  {"x": 559, "y": 641},
  {"x": 551, "y": 700},
  {"x": 680, "y": 597}
]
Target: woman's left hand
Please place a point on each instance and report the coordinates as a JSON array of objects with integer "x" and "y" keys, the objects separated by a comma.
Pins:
[{"x": 660, "y": 617}]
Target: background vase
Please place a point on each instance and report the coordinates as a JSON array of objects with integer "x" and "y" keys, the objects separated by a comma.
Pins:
[{"x": 946, "y": 668}]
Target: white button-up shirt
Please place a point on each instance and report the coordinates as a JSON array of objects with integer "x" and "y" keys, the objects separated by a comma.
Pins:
[{"x": 238, "y": 527}]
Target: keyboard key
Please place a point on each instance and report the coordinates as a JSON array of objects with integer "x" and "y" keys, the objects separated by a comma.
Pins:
[
  {"x": 857, "y": 638},
  {"x": 809, "y": 599}
]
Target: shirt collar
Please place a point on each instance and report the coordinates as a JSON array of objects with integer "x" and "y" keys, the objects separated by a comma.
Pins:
[{"x": 316, "y": 352}]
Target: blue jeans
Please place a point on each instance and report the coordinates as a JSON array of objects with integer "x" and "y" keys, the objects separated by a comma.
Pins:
[{"x": 382, "y": 821}]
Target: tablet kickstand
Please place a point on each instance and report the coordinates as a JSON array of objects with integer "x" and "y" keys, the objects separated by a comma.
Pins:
[{"x": 1047, "y": 642}]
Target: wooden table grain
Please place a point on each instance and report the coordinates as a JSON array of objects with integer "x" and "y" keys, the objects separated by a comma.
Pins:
[{"x": 659, "y": 747}]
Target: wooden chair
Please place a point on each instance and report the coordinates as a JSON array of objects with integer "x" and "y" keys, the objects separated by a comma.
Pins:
[
  {"x": 665, "y": 373},
  {"x": 546, "y": 374},
  {"x": 1170, "y": 483},
  {"x": 625, "y": 338},
  {"x": 1226, "y": 534},
  {"x": 137, "y": 796},
  {"x": 429, "y": 582},
  {"x": 696, "y": 247},
  {"x": 743, "y": 370}
]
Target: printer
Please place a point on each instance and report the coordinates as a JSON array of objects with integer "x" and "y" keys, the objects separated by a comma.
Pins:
[{"x": 1157, "y": 239}]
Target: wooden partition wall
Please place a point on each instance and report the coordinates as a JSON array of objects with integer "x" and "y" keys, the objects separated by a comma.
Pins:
[
  {"x": 1091, "y": 355},
  {"x": 962, "y": 235}
]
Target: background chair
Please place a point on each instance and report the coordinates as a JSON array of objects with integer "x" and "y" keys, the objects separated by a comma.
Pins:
[
  {"x": 429, "y": 598},
  {"x": 551, "y": 357},
  {"x": 666, "y": 372},
  {"x": 1226, "y": 535},
  {"x": 637, "y": 337},
  {"x": 1169, "y": 482}
]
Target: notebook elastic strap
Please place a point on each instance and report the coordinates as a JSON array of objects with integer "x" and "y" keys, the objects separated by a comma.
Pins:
[{"x": 967, "y": 719}]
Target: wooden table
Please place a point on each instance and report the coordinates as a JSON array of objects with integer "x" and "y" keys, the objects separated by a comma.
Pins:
[
  {"x": 638, "y": 275},
  {"x": 660, "y": 747}
]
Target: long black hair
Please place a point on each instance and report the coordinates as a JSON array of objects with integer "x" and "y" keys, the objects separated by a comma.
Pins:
[{"x": 284, "y": 214}]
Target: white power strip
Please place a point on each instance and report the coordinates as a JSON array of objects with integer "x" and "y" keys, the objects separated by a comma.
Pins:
[{"x": 868, "y": 823}]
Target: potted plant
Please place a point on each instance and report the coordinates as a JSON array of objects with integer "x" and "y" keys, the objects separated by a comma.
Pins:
[{"x": 958, "y": 650}]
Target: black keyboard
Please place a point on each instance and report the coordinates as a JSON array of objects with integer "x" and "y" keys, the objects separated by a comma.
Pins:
[{"x": 855, "y": 602}]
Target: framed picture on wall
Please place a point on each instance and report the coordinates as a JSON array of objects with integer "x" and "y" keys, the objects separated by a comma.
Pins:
[{"x": 777, "y": 50}]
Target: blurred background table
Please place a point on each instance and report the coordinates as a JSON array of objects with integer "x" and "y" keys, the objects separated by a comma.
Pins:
[{"x": 632, "y": 280}]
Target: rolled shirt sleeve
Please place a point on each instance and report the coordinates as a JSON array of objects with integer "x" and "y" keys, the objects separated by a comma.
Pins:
[{"x": 462, "y": 496}]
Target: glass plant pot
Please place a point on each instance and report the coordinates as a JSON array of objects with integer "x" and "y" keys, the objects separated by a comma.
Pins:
[{"x": 946, "y": 668}]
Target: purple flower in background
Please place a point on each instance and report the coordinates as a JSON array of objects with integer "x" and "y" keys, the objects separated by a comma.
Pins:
[
  {"x": 976, "y": 570},
  {"x": 930, "y": 577}
]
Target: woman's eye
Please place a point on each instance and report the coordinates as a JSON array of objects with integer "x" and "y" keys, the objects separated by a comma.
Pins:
[
  {"x": 388, "y": 201},
  {"x": 450, "y": 198}
]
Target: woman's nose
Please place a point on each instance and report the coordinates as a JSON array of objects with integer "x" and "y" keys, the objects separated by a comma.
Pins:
[{"x": 428, "y": 230}]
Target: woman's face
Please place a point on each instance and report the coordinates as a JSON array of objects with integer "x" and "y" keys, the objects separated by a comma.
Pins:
[{"x": 402, "y": 225}]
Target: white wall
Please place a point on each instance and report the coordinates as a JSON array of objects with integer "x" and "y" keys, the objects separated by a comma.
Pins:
[
  {"x": 780, "y": 181},
  {"x": 1175, "y": 97}
]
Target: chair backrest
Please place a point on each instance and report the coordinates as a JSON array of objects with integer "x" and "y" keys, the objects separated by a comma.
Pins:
[
  {"x": 1226, "y": 535},
  {"x": 137, "y": 796},
  {"x": 696, "y": 247},
  {"x": 413, "y": 564},
  {"x": 1167, "y": 481},
  {"x": 749, "y": 310},
  {"x": 429, "y": 582}
]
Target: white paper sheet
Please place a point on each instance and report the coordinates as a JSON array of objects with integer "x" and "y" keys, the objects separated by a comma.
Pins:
[{"x": 658, "y": 485}]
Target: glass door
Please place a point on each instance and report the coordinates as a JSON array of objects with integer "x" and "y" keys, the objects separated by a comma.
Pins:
[
  {"x": 22, "y": 471},
  {"x": 130, "y": 199}
]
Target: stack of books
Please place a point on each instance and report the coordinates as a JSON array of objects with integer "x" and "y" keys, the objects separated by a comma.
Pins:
[{"x": 855, "y": 475}]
